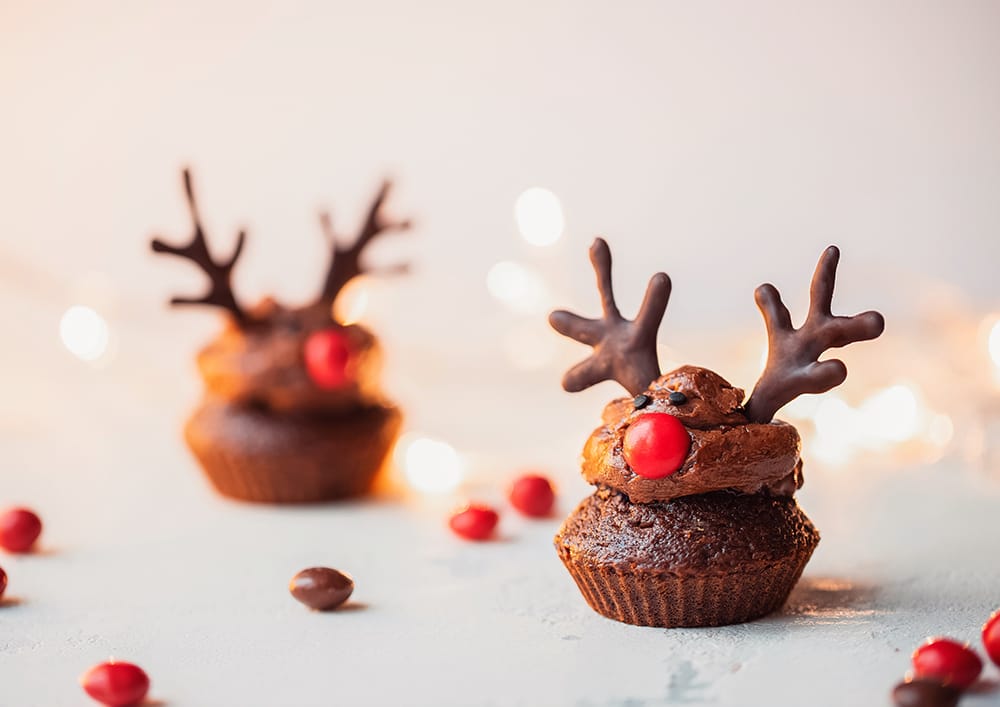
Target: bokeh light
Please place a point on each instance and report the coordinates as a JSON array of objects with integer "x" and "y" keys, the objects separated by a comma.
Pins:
[
  {"x": 539, "y": 216},
  {"x": 84, "y": 333},
  {"x": 429, "y": 465},
  {"x": 892, "y": 414},
  {"x": 352, "y": 301},
  {"x": 994, "y": 344},
  {"x": 894, "y": 419},
  {"x": 521, "y": 289}
]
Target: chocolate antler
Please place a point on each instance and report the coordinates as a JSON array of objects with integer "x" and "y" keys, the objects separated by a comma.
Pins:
[
  {"x": 220, "y": 294},
  {"x": 624, "y": 351},
  {"x": 793, "y": 365},
  {"x": 345, "y": 263}
]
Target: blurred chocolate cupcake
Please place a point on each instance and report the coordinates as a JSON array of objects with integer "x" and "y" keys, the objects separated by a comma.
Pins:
[
  {"x": 293, "y": 411},
  {"x": 694, "y": 521}
]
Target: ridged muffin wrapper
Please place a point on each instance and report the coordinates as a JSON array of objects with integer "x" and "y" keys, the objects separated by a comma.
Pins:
[
  {"x": 290, "y": 461},
  {"x": 652, "y": 598}
]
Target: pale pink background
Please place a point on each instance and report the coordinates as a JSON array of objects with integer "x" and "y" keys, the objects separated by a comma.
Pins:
[{"x": 730, "y": 140}]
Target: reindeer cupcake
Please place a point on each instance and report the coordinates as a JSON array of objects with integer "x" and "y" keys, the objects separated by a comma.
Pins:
[
  {"x": 293, "y": 411},
  {"x": 694, "y": 521}
]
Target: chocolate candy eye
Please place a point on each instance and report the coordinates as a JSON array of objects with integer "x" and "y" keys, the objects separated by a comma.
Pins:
[
  {"x": 677, "y": 398},
  {"x": 641, "y": 401}
]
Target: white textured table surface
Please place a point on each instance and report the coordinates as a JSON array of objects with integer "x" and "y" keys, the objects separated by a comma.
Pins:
[{"x": 142, "y": 562}]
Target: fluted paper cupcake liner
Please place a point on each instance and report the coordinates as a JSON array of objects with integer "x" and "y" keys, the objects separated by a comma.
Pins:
[
  {"x": 251, "y": 456},
  {"x": 650, "y": 598}
]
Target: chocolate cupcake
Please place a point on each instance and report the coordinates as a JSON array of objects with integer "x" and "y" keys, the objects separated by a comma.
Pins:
[
  {"x": 293, "y": 411},
  {"x": 694, "y": 521}
]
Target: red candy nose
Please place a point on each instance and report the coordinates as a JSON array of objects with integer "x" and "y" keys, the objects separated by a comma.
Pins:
[
  {"x": 656, "y": 445},
  {"x": 328, "y": 355}
]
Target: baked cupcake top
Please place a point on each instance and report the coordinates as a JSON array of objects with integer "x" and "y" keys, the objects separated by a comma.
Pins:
[
  {"x": 699, "y": 536},
  {"x": 689, "y": 432},
  {"x": 288, "y": 359}
]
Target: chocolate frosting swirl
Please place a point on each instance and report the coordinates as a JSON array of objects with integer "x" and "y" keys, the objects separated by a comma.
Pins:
[
  {"x": 262, "y": 364},
  {"x": 727, "y": 451}
]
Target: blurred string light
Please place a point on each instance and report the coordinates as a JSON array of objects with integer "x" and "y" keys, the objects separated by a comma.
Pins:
[
  {"x": 539, "y": 216},
  {"x": 429, "y": 465},
  {"x": 523, "y": 290},
  {"x": 84, "y": 333},
  {"x": 892, "y": 415},
  {"x": 888, "y": 420}
]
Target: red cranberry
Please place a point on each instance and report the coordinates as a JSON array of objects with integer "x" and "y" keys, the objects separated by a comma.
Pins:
[
  {"x": 328, "y": 356},
  {"x": 991, "y": 637},
  {"x": 474, "y": 522},
  {"x": 533, "y": 495},
  {"x": 116, "y": 684},
  {"x": 19, "y": 529},
  {"x": 947, "y": 661},
  {"x": 656, "y": 445},
  {"x": 3, "y": 582}
]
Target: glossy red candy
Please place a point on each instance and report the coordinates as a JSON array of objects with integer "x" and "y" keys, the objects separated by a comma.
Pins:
[
  {"x": 3, "y": 582},
  {"x": 533, "y": 495},
  {"x": 474, "y": 522},
  {"x": 116, "y": 684},
  {"x": 948, "y": 662},
  {"x": 19, "y": 529},
  {"x": 327, "y": 355},
  {"x": 991, "y": 637},
  {"x": 656, "y": 445}
]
